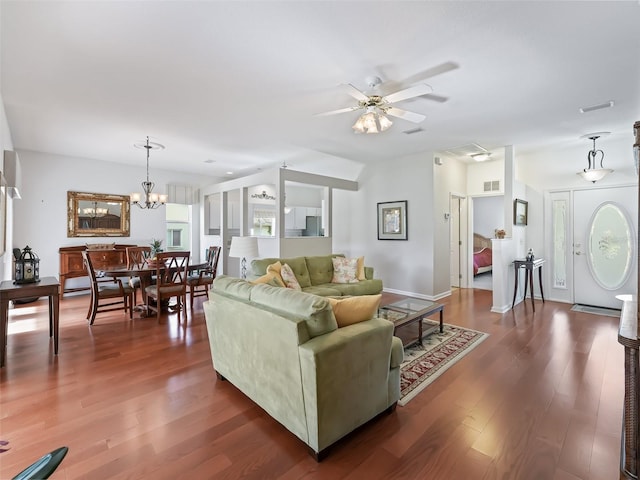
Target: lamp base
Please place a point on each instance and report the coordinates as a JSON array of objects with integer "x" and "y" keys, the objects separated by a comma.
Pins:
[{"x": 244, "y": 268}]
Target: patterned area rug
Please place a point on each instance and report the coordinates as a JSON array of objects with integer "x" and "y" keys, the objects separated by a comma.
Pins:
[{"x": 424, "y": 363}]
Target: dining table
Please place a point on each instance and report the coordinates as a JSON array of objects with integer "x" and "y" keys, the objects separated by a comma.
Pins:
[{"x": 145, "y": 274}]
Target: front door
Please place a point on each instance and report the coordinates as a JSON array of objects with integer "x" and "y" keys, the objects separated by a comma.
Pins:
[{"x": 604, "y": 243}]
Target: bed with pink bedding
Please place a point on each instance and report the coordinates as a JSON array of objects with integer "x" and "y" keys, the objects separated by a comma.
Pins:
[
  {"x": 482, "y": 257},
  {"x": 482, "y": 261}
]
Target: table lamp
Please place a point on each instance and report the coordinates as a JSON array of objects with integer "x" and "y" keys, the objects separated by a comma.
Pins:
[{"x": 244, "y": 247}]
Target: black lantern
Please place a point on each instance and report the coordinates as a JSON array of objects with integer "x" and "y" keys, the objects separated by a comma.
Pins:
[{"x": 27, "y": 267}]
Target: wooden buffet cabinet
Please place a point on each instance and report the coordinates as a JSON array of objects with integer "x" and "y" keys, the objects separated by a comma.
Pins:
[{"x": 71, "y": 265}]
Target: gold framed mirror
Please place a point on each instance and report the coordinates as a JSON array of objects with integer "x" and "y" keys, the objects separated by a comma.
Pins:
[{"x": 97, "y": 215}]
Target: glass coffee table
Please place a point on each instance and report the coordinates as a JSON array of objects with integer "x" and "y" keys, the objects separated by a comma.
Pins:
[{"x": 411, "y": 310}]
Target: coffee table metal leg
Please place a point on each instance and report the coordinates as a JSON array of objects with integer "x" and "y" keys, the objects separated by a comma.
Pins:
[{"x": 441, "y": 321}]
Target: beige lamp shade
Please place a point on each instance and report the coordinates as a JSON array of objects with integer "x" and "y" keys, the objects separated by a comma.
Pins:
[{"x": 244, "y": 247}]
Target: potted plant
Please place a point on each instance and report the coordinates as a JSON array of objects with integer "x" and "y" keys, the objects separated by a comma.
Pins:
[{"x": 156, "y": 247}]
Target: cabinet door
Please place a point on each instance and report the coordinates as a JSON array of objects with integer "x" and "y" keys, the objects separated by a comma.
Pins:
[
  {"x": 300, "y": 222},
  {"x": 289, "y": 219}
]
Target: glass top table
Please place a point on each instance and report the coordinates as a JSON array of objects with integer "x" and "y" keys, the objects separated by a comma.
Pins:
[{"x": 411, "y": 310}]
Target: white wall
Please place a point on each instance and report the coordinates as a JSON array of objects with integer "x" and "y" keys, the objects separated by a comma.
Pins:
[
  {"x": 403, "y": 266},
  {"x": 41, "y": 214},
  {"x": 488, "y": 215}
]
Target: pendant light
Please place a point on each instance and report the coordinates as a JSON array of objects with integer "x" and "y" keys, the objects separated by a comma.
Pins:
[
  {"x": 592, "y": 173},
  {"x": 151, "y": 200}
]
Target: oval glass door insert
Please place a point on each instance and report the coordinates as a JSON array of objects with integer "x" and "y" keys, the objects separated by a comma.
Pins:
[{"x": 610, "y": 246}]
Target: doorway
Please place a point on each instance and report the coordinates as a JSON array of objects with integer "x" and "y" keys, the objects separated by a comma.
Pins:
[
  {"x": 604, "y": 232},
  {"x": 488, "y": 215}
]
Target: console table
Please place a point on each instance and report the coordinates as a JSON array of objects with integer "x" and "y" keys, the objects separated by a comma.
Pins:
[
  {"x": 530, "y": 266},
  {"x": 46, "y": 287},
  {"x": 71, "y": 265}
]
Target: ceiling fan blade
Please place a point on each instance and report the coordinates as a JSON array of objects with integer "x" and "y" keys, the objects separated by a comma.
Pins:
[
  {"x": 334, "y": 112},
  {"x": 431, "y": 72},
  {"x": 354, "y": 92},
  {"x": 436, "y": 98},
  {"x": 405, "y": 115},
  {"x": 415, "y": 91}
]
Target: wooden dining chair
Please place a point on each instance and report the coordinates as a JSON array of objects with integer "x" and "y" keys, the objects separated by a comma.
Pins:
[
  {"x": 200, "y": 282},
  {"x": 107, "y": 294},
  {"x": 137, "y": 257},
  {"x": 172, "y": 272}
]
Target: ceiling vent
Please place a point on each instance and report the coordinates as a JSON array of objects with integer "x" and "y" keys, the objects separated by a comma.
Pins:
[
  {"x": 600, "y": 106},
  {"x": 466, "y": 150},
  {"x": 492, "y": 186}
]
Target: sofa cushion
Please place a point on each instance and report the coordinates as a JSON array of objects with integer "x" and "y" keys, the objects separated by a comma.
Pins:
[
  {"x": 350, "y": 310},
  {"x": 289, "y": 278},
  {"x": 320, "y": 269},
  {"x": 299, "y": 267},
  {"x": 365, "y": 287},
  {"x": 232, "y": 287},
  {"x": 315, "y": 311},
  {"x": 325, "y": 290}
]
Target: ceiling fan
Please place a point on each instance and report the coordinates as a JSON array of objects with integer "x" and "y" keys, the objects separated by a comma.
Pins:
[{"x": 376, "y": 107}]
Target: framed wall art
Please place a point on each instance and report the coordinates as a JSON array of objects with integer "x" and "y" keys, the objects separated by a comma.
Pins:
[
  {"x": 520, "y": 212},
  {"x": 97, "y": 215},
  {"x": 392, "y": 220}
]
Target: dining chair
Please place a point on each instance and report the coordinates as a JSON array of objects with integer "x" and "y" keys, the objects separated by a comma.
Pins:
[
  {"x": 200, "y": 282},
  {"x": 107, "y": 294},
  {"x": 171, "y": 281},
  {"x": 137, "y": 257}
]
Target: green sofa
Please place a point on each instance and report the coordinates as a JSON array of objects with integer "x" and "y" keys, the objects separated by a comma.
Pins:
[
  {"x": 315, "y": 273},
  {"x": 283, "y": 349}
]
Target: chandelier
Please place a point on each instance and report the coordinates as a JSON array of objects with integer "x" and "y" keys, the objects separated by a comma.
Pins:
[
  {"x": 372, "y": 122},
  {"x": 592, "y": 173},
  {"x": 151, "y": 200}
]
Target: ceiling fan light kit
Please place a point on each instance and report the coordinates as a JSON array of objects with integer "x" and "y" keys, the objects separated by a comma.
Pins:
[
  {"x": 378, "y": 108},
  {"x": 592, "y": 173},
  {"x": 371, "y": 122}
]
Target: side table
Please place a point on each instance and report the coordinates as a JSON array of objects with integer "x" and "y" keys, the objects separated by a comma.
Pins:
[
  {"x": 46, "y": 287},
  {"x": 530, "y": 266}
]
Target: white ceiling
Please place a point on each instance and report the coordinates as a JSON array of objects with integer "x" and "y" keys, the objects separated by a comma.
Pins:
[{"x": 239, "y": 82}]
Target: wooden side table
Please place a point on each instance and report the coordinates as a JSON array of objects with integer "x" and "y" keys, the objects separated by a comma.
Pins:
[
  {"x": 46, "y": 287},
  {"x": 530, "y": 266}
]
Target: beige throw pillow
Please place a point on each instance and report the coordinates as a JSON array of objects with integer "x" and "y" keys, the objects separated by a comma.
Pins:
[
  {"x": 350, "y": 310},
  {"x": 360, "y": 274},
  {"x": 271, "y": 278},
  {"x": 289, "y": 277}
]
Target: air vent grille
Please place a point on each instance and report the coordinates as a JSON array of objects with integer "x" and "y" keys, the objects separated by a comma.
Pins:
[{"x": 492, "y": 186}]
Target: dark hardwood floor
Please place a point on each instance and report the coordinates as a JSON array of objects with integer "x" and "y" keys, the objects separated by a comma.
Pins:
[{"x": 541, "y": 398}]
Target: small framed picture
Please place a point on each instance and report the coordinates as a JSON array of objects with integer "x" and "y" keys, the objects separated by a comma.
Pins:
[
  {"x": 392, "y": 220},
  {"x": 520, "y": 211}
]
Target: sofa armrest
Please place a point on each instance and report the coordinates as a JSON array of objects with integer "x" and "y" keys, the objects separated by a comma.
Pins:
[
  {"x": 345, "y": 378},
  {"x": 397, "y": 352},
  {"x": 368, "y": 273}
]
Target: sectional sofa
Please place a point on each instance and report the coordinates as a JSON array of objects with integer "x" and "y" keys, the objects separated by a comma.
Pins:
[
  {"x": 315, "y": 274},
  {"x": 283, "y": 349}
]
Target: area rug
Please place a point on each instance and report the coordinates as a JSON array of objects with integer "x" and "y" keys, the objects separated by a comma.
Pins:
[
  {"x": 439, "y": 351},
  {"x": 607, "y": 312}
]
